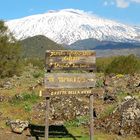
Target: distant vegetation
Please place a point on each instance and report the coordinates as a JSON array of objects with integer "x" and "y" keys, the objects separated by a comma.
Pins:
[
  {"x": 109, "y": 65},
  {"x": 119, "y": 65}
]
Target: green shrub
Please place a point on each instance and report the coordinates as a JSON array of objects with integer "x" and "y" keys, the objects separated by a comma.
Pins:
[
  {"x": 81, "y": 120},
  {"x": 121, "y": 96},
  {"x": 102, "y": 63},
  {"x": 99, "y": 83},
  {"x": 38, "y": 74},
  {"x": 24, "y": 98},
  {"x": 36, "y": 62},
  {"x": 124, "y": 65},
  {"x": 27, "y": 107},
  {"x": 109, "y": 110},
  {"x": 118, "y": 65}
]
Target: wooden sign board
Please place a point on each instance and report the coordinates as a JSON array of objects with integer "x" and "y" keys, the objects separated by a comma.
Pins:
[
  {"x": 77, "y": 91},
  {"x": 70, "y": 60},
  {"x": 70, "y": 80}
]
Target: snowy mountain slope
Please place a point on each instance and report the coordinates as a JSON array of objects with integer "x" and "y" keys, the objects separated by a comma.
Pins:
[{"x": 69, "y": 25}]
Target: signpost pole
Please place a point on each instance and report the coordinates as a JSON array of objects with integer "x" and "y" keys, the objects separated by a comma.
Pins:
[
  {"x": 91, "y": 117},
  {"x": 47, "y": 118}
]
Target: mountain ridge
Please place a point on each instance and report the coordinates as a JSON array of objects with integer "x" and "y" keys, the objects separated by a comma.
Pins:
[
  {"x": 36, "y": 47},
  {"x": 69, "y": 25}
]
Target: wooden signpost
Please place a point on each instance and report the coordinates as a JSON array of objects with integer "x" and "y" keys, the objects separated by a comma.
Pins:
[
  {"x": 70, "y": 60},
  {"x": 60, "y": 83}
]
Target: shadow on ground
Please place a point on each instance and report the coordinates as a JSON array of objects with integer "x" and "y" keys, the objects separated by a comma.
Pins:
[{"x": 55, "y": 131}]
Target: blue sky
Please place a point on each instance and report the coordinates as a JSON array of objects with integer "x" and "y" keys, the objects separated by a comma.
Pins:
[{"x": 126, "y": 11}]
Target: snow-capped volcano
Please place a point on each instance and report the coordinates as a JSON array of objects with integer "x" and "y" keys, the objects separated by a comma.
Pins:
[{"x": 68, "y": 26}]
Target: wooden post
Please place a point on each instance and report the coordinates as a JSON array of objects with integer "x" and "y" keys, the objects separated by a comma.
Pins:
[
  {"x": 91, "y": 117},
  {"x": 47, "y": 118}
]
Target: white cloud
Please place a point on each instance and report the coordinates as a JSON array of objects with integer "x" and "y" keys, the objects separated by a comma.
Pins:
[
  {"x": 105, "y": 3},
  {"x": 112, "y": 3},
  {"x": 121, "y": 3},
  {"x": 108, "y": 3},
  {"x": 137, "y": 1},
  {"x": 31, "y": 9}
]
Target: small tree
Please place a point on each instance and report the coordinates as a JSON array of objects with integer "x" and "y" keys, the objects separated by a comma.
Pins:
[{"x": 9, "y": 53}]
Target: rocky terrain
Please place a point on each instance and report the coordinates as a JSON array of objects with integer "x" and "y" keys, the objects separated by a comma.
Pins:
[
  {"x": 124, "y": 120},
  {"x": 116, "y": 111}
]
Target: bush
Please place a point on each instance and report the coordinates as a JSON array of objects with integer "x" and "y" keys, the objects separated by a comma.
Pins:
[
  {"x": 38, "y": 74},
  {"x": 102, "y": 63},
  {"x": 36, "y": 62},
  {"x": 124, "y": 65}
]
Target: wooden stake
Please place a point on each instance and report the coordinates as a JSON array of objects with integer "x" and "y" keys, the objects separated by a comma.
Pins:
[
  {"x": 91, "y": 117},
  {"x": 47, "y": 118}
]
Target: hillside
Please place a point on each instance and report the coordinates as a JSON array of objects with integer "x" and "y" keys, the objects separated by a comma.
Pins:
[
  {"x": 37, "y": 45},
  {"x": 107, "y": 48},
  {"x": 91, "y": 44}
]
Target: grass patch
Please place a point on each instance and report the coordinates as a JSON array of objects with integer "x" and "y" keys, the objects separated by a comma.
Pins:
[
  {"x": 24, "y": 97},
  {"x": 25, "y": 100},
  {"x": 121, "y": 96},
  {"x": 99, "y": 83},
  {"x": 108, "y": 110},
  {"x": 81, "y": 120}
]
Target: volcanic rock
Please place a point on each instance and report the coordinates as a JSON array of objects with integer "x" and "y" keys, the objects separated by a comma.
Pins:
[
  {"x": 17, "y": 126},
  {"x": 125, "y": 119}
]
